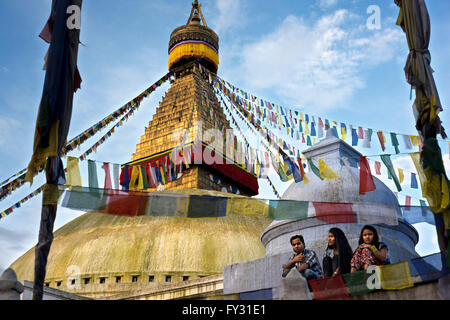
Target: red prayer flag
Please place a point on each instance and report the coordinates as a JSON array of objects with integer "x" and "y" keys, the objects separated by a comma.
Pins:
[
  {"x": 408, "y": 203},
  {"x": 321, "y": 123},
  {"x": 125, "y": 203},
  {"x": 381, "y": 138},
  {"x": 360, "y": 133},
  {"x": 332, "y": 288},
  {"x": 302, "y": 172},
  {"x": 46, "y": 33},
  {"x": 378, "y": 167},
  {"x": 108, "y": 184},
  {"x": 366, "y": 183},
  {"x": 333, "y": 212}
]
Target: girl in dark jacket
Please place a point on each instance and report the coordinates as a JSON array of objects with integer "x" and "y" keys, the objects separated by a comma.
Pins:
[{"x": 337, "y": 255}]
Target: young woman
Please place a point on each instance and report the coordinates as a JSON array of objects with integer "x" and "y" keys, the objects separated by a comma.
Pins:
[
  {"x": 337, "y": 255},
  {"x": 371, "y": 251}
]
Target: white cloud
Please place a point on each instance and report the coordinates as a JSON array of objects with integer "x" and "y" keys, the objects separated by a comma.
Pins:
[
  {"x": 230, "y": 15},
  {"x": 327, "y": 3},
  {"x": 6, "y": 126},
  {"x": 317, "y": 65}
]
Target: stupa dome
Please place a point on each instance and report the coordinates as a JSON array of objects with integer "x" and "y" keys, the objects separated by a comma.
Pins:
[
  {"x": 103, "y": 246},
  {"x": 194, "y": 41},
  {"x": 343, "y": 159}
]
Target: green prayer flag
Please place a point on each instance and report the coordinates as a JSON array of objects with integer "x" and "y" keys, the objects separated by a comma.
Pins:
[
  {"x": 314, "y": 169},
  {"x": 357, "y": 283},
  {"x": 388, "y": 163},
  {"x": 92, "y": 169},
  {"x": 288, "y": 210},
  {"x": 395, "y": 142}
]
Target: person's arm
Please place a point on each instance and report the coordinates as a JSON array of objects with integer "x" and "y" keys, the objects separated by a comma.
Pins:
[
  {"x": 293, "y": 261},
  {"x": 335, "y": 273},
  {"x": 379, "y": 254},
  {"x": 307, "y": 262},
  {"x": 303, "y": 267}
]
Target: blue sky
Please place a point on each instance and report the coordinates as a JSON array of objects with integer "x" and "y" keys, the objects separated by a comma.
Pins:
[{"x": 316, "y": 56}]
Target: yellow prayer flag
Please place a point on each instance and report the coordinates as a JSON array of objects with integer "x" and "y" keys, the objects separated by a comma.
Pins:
[
  {"x": 415, "y": 140},
  {"x": 401, "y": 176},
  {"x": 134, "y": 176},
  {"x": 301, "y": 116},
  {"x": 445, "y": 193},
  {"x": 395, "y": 276},
  {"x": 307, "y": 132},
  {"x": 326, "y": 172},
  {"x": 344, "y": 133},
  {"x": 140, "y": 180},
  {"x": 73, "y": 172}
]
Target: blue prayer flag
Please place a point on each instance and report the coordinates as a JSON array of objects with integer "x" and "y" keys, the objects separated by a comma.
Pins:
[
  {"x": 414, "y": 181},
  {"x": 354, "y": 137}
]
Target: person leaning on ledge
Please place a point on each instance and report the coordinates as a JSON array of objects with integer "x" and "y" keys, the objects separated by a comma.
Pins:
[{"x": 304, "y": 260}]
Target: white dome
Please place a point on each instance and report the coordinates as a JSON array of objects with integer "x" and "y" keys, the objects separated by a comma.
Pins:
[
  {"x": 345, "y": 188},
  {"x": 379, "y": 207}
]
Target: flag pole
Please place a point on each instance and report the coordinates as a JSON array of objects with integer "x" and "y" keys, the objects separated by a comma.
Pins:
[{"x": 62, "y": 79}]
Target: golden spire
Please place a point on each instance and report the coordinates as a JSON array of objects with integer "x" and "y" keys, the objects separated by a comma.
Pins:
[{"x": 194, "y": 16}]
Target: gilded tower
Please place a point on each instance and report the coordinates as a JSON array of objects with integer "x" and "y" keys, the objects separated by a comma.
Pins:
[{"x": 190, "y": 104}]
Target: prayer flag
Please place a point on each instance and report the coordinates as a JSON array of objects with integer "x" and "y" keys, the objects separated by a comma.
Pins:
[
  {"x": 357, "y": 283},
  {"x": 354, "y": 137},
  {"x": 73, "y": 172},
  {"x": 314, "y": 169},
  {"x": 333, "y": 213},
  {"x": 134, "y": 178},
  {"x": 382, "y": 140},
  {"x": 395, "y": 142},
  {"x": 313, "y": 129},
  {"x": 288, "y": 210},
  {"x": 401, "y": 176},
  {"x": 407, "y": 141},
  {"x": 407, "y": 203},
  {"x": 395, "y": 276},
  {"x": 331, "y": 288},
  {"x": 378, "y": 168},
  {"x": 366, "y": 183},
  {"x": 124, "y": 178},
  {"x": 414, "y": 181},
  {"x": 302, "y": 171},
  {"x": 292, "y": 167},
  {"x": 343, "y": 131},
  {"x": 360, "y": 133},
  {"x": 388, "y": 163},
  {"x": 367, "y": 138},
  {"x": 92, "y": 172},
  {"x": 415, "y": 140},
  {"x": 429, "y": 268},
  {"x": 116, "y": 175},
  {"x": 326, "y": 172},
  {"x": 108, "y": 183}
]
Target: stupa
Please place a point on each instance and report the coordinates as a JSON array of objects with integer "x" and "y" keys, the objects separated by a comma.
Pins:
[{"x": 98, "y": 255}]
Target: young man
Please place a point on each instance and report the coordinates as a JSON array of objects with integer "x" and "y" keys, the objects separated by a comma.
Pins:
[{"x": 304, "y": 260}]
